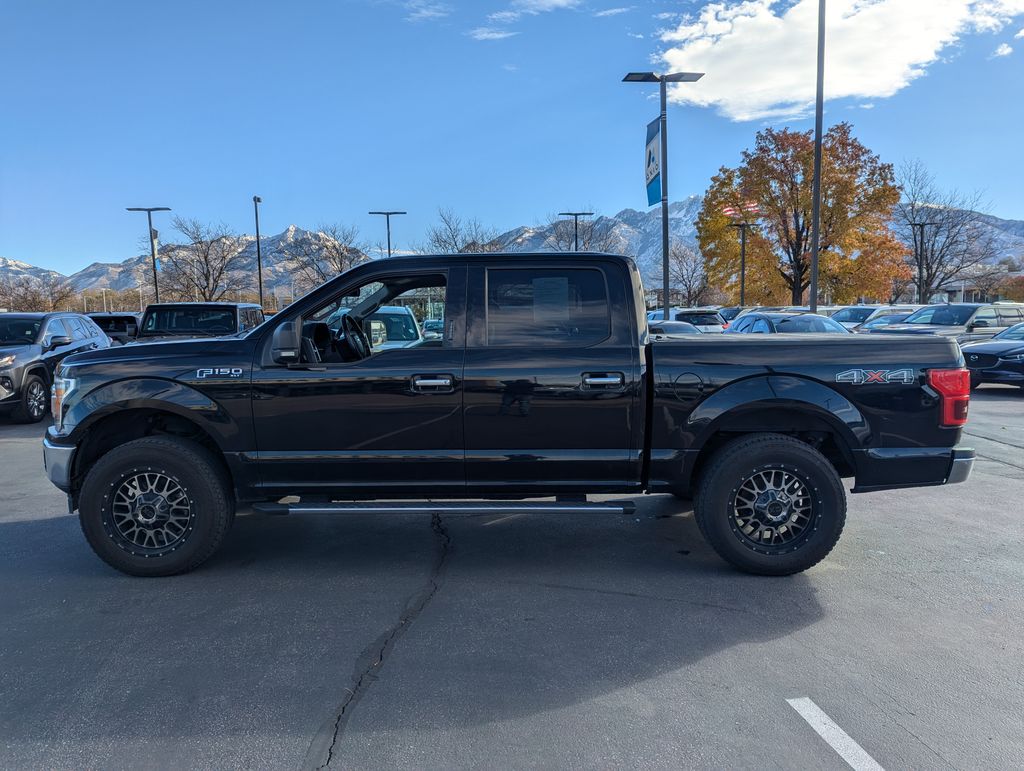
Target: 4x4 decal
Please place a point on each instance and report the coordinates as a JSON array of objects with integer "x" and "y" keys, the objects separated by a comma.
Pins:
[{"x": 867, "y": 376}]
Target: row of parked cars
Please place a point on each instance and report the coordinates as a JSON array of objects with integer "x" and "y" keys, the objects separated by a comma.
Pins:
[{"x": 991, "y": 335}]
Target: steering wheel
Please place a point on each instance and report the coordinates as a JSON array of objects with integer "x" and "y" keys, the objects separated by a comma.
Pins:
[{"x": 354, "y": 340}]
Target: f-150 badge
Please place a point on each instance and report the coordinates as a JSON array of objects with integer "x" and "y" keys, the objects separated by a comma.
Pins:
[
  {"x": 867, "y": 376},
  {"x": 206, "y": 372}
]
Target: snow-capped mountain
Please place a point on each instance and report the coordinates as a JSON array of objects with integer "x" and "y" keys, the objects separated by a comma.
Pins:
[{"x": 632, "y": 232}]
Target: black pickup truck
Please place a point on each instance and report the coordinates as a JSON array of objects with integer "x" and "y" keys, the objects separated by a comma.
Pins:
[{"x": 543, "y": 384}]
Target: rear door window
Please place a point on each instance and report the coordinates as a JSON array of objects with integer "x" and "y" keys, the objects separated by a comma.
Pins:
[
  {"x": 700, "y": 319},
  {"x": 1008, "y": 317},
  {"x": 545, "y": 307}
]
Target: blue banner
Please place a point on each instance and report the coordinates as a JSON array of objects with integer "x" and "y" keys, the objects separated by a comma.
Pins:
[{"x": 653, "y": 162}]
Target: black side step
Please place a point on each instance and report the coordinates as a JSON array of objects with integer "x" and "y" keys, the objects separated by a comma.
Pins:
[{"x": 448, "y": 507}]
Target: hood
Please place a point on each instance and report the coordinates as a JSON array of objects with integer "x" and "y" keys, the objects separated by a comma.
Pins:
[
  {"x": 20, "y": 348},
  {"x": 164, "y": 349},
  {"x": 994, "y": 347}
]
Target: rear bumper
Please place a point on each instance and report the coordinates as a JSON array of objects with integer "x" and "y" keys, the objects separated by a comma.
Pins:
[
  {"x": 891, "y": 468},
  {"x": 58, "y": 461}
]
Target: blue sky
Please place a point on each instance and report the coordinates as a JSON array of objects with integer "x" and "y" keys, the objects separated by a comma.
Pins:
[{"x": 505, "y": 111}]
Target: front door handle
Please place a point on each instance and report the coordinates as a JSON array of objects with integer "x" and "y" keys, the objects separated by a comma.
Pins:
[
  {"x": 432, "y": 383},
  {"x": 604, "y": 380}
]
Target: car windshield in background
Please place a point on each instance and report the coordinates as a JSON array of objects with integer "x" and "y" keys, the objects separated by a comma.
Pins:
[
  {"x": 808, "y": 323},
  {"x": 1016, "y": 332},
  {"x": 674, "y": 328},
  {"x": 397, "y": 326},
  {"x": 943, "y": 315},
  {"x": 884, "y": 321},
  {"x": 19, "y": 331},
  {"x": 115, "y": 323},
  {"x": 189, "y": 321},
  {"x": 700, "y": 319},
  {"x": 853, "y": 314}
]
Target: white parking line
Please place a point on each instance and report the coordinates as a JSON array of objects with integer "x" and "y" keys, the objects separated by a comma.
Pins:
[{"x": 837, "y": 738}]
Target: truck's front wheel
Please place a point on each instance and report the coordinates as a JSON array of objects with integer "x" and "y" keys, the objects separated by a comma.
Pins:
[
  {"x": 770, "y": 504},
  {"x": 156, "y": 506}
]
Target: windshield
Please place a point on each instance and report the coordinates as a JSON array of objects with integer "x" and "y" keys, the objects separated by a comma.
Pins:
[
  {"x": 1016, "y": 332},
  {"x": 189, "y": 321},
  {"x": 115, "y": 323},
  {"x": 19, "y": 331},
  {"x": 853, "y": 314},
  {"x": 397, "y": 326},
  {"x": 704, "y": 319},
  {"x": 884, "y": 321},
  {"x": 809, "y": 323},
  {"x": 943, "y": 315}
]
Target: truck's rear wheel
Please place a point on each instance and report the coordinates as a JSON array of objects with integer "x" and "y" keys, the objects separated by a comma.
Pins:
[
  {"x": 156, "y": 506},
  {"x": 770, "y": 504}
]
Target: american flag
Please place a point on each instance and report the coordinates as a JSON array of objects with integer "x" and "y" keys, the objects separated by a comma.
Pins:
[
  {"x": 730, "y": 211},
  {"x": 751, "y": 207}
]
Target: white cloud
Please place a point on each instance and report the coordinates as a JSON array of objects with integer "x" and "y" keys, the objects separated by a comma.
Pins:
[
  {"x": 1003, "y": 49},
  {"x": 490, "y": 33},
  {"x": 424, "y": 10},
  {"x": 519, "y": 8},
  {"x": 759, "y": 55},
  {"x": 637, "y": 35},
  {"x": 613, "y": 11},
  {"x": 1020, "y": 34}
]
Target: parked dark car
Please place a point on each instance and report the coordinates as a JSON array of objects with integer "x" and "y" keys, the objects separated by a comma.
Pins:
[
  {"x": 31, "y": 345},
  {"x": 119, "y": 327},
  {"x": 706, "y": 320},
  {"x": 999, "y": 360},
  {"x": 184, "y": 320},
  {"x": 670, "y": 330},
  {"x": 781, "y": 322},
  {"x": 545, "y": 383},
  {"x": 855, "y": 316},
  {"x": 733, "y": 311},
  {"x": 963, "y": 322}
]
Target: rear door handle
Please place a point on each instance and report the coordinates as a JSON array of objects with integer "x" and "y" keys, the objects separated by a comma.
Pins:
[
  {"x": 432, "y": 383},
  {"x": 604, "y": 380}
]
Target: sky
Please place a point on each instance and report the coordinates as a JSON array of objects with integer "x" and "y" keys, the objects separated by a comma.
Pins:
[{"x": 507, "y": 111}]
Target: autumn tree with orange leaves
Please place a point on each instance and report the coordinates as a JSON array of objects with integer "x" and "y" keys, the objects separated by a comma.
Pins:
[{"x": 859, "y": 255}]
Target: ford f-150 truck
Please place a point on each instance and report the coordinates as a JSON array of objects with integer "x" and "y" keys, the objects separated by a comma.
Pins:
[{"x": 543, "y": 384}]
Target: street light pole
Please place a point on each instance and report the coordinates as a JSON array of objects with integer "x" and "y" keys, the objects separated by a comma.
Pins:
[
  {"x": 917, "y": 228},
  {"x": 256, "y": 201},
  {"x": 663, "y": 81},
  {"x": 816, "y": 191},
  {"x": 743, "y": 259},
  {"x": 575, "y": 225},
  {"x": 152, "y": 241},
  {"x": 387, "y": 215}
]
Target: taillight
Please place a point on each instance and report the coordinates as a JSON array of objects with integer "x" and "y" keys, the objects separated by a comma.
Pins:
[
  {"x": 725, "y": 325},
  {"x": 954, "y": 389}
]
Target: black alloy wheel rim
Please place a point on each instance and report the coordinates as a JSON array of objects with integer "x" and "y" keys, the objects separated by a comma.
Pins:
[
  {"x": 772, "y": 510},
  {"x": 36, "y": 399},
  {"x": 151, "y": 514}
]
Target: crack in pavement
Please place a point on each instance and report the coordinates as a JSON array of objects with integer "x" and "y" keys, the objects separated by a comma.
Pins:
[{"x": 369, "y": 664}]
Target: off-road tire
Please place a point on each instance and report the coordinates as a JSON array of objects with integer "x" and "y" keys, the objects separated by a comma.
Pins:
[
  {"x": 28, "y": 410},
  {"x": 743, "y": 459},
  {"x": 199, "y": 475}
]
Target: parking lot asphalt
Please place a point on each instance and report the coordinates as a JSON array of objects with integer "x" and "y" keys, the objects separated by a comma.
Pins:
[{"x": 524, "y": 641}]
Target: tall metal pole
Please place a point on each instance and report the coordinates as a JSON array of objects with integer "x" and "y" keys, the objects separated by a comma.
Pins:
[
  {"x": 743, "y": 263},
  {"x": 575, "y": 225},
  {"x": 152, "y": 257},
  {"x": 917, "y": 228},
  {"x": 664, "y": 194},
  {"x": 388, "y": 226},
  {"x": 256, "y": 201},
  {"x": 816, "y": 191}
]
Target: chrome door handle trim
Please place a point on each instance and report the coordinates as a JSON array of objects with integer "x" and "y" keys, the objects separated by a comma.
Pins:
[
  {"x": 602, "y": 380},
  {"x": 432, "y": 382}
]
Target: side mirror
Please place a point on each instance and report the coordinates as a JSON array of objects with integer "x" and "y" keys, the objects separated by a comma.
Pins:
[
  {"x": 284, "y": 346},
  {"x": 979, "y": 324},
  {"x": 57, "y": 341}
]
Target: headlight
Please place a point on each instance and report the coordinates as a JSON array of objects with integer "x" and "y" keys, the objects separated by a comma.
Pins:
[
  {"x": 6, "y": 361},
  {"x": 59, "y": 392},
  {"x": 1013, "y": 356}
]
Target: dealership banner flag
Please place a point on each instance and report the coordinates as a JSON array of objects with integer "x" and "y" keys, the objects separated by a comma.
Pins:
[{"x": 653, "y": 162}]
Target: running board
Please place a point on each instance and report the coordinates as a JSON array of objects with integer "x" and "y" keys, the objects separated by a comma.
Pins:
[{"x": 445, "y": 507}]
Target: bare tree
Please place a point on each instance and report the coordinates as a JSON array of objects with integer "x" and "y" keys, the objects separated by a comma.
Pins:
[
  {"x": 320, "y": 256},
  {"x": 453, "y": 234},
  {"x": 202, "y": 267},
  {"x": 595, "y": 235},
  {"x": 686, "y": 270},
  {"x": 954, "y": 244},
  {"x": 37, "y": 294}
]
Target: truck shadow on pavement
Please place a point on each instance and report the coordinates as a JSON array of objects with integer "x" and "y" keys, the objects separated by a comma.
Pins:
[{"x": 522, "y": 615}]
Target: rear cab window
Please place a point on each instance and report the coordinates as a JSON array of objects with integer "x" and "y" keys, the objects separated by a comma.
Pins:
[{"x": 546, "y": 307}]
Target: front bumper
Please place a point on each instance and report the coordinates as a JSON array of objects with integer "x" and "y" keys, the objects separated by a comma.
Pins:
[{"x": 58, "y": 461}]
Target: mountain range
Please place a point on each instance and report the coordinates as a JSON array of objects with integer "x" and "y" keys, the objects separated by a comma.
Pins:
[{"x": 632, "y": 232}]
